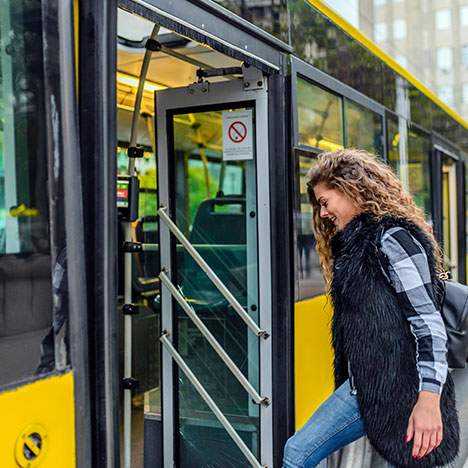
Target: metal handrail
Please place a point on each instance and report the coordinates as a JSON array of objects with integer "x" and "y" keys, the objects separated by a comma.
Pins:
[
  {"x": 210, "y": 402},
  {"x": 211, "y": 274},
  {"x": 213, "y": 342}
]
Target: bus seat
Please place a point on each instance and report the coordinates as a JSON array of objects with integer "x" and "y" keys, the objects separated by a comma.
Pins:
[
  {"x": 25, "y": 293},
  {"x": 225, "y": 231},
  {"x": 219, "y": 227},
  {"x": 25, "y": 313}
]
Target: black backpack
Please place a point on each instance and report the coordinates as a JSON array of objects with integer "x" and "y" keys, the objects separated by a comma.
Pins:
[{"x": 454, "y": 311}]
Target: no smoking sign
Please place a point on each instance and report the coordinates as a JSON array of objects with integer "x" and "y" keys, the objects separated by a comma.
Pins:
[
  {"x": 237, "y": 131},
  {"x": 237, "y": 135}
]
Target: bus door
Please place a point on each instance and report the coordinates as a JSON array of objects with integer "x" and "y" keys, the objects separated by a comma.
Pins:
[
  {"x": 212, "y": 159},
  {"x": 450, "y": 213}
]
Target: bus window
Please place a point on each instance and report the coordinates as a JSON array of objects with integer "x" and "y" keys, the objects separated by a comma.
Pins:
[
  {"x": 32, "y": 277},
  {"x": 363, "y": 128},
  {"x": 393, "y": 144},
  {"x": 320, "y": 118},
  {"x": 419, "y": 147},
  {"x": 309, "y": 277}
]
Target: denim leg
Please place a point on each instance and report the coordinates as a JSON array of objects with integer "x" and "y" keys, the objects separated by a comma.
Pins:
[{"x": 336, "y": 423}]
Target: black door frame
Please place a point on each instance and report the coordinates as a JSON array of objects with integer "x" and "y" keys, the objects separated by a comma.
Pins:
[{"x": 97, "y": 93}]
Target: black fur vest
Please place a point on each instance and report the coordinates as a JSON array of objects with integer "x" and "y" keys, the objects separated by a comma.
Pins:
[{"x": 371, "y": 331}]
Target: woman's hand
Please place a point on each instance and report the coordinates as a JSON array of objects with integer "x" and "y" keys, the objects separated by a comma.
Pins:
[{"x": 425, "y": 424}]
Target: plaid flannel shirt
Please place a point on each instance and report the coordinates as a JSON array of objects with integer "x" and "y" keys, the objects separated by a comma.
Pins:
[{"x": 410, "y": 276}]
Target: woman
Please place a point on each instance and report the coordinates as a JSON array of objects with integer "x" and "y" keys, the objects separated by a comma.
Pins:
[{"x": 380, "y": 264}]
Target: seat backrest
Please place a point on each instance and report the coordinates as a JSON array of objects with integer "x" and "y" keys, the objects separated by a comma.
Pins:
[
  {"x": 219, "y": 222},
  {"x": 224, "y": 226},
  {"x": 25, "y": 293}
]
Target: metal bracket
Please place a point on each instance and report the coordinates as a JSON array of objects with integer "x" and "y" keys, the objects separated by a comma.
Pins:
[
  {"x": 130, "y": 309},
  {"x": 199, "y": 88},
  {"x": 135, "y": 152},
  {"x": 252, "y": 77},
  {"x": 132, "y": 247},
  {"x": 130, "y": 383},
  {"x": 210, "y": 72},
  {"x": 153, "y": 45}
]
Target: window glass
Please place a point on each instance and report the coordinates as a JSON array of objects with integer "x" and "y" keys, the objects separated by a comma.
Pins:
[
  {"x": 443, "y": 19},
  {"x": 379, "y": 2},
  {"x": 363, "y": 128},
  {"x": 318, "y": 41},
  {"x": 444, "y": 58},
  {"x": 399, "y": 29},
  {"x": 393, "y": 144},
  {"x": 272, "y": 16},
  {"x": 320, "y": 118},
  {"x": 380, "y": 32},
  {"x": 26, "y": 260},
  {"x": 464, "y": 15},
  {"x": 321, "y": 43},
  {"x": 419, "y": 147},
  {"x": 309, "y": 277}
]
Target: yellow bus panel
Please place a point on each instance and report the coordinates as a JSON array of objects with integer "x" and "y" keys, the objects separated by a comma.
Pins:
[
  {"x": 313, "y": 356},
  {"x": 38, "y": 427}
]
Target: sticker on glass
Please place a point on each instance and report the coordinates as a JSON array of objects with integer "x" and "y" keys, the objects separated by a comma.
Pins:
[{"x": 237, "y": 135}]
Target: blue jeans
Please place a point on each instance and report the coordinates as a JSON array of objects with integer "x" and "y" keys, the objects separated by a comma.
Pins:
[{"x": 336, "y": 423}]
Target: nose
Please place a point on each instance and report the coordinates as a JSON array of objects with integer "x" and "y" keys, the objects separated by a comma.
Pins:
[{"x": 323, "y": 212}]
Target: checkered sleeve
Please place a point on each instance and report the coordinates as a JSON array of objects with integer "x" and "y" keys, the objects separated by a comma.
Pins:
[{"x": 410, "y": 276}]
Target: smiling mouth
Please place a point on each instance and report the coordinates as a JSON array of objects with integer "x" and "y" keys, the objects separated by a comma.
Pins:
[{"x": 333, "y": 219}]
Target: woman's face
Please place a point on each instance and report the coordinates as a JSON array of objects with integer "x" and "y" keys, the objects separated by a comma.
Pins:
[{"x": 335, "y": 205}]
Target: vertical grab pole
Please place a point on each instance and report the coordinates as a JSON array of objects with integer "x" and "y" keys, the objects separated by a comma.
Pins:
[{"x": 128, "y": 259}]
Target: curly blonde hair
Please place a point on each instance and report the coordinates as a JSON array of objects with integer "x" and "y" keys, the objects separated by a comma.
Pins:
[{"x": 372, "y": 186}]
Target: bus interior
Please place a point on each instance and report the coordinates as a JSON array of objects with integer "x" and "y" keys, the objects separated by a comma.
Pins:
[{"x": 210, "y": 199}]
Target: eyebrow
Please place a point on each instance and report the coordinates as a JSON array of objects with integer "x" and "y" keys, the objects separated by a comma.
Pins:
[{"x": 320, "y": 199}]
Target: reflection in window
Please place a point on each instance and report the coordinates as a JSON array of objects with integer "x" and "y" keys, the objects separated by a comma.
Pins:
[
  {"x": 25, "y": 253},
  {"x": 309, "y": 277},
  {"x": 318, "y": 41},
  {"x": 363, "y": 128},
  {"x": 419, "y": 147},
  {"x": 320, "y": 118},
  {"x": 393, "y": 141},
  {"x": 272, "y": 16}
]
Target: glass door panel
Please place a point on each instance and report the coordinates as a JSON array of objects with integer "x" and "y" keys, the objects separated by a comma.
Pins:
[{"x": 215, "y": 208}]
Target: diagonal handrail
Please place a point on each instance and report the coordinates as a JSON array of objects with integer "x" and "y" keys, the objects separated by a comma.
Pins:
[
  {"x": 211, "y": 274},
  {"x": 209, "y": 401},
  {"x": 213, "y": 341}
]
